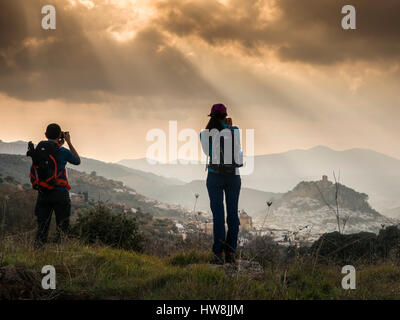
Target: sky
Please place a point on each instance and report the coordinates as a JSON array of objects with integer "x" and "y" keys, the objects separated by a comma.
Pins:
[{"x": 115, "y": 69}]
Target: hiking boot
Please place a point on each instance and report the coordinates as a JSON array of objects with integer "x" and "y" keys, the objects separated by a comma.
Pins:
[
  {"x": 218, "y": 259},
  {"x": 230, "y": 257}
]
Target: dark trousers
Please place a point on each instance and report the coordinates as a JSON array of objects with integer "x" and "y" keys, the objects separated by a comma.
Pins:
[
  {"x": 217, "y": 185},
  {"x": 47, "y": 202}
]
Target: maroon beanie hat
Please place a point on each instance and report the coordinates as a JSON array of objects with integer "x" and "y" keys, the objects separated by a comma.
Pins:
[{"x": 218, "y": 108}]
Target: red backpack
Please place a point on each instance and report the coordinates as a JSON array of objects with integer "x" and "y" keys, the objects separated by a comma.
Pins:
[{"x": 43, "y": 173}]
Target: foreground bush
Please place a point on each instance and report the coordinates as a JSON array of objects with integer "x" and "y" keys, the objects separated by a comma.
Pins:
[
  {"x": 265, "y": 251},
  {"x": 101, "y": 225},
  {"x": 362, "y": 247}
]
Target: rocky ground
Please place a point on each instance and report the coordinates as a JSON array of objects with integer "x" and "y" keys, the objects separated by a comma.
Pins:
[{"x": 21, "y": 283}]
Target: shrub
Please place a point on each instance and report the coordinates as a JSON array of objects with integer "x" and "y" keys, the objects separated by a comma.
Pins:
[
  {"x": 389, "y": 241},
  {"x": 17, "y": 212},
  {"x": 264, "y": 250},
  {"x": 100, "y": 224},
  {"x": 362, "y": 246},
  {"x": 346, "y": 248}
]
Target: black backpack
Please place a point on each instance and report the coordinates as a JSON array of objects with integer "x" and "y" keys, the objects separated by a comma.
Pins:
[
  {"x": 221, "y": 167},
  {"x": 43, "y": 174}
]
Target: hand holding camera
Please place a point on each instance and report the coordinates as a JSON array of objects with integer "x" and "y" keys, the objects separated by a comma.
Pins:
[{"x": 66, "y": 136}]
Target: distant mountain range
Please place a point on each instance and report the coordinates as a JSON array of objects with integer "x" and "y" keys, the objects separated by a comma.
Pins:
[{"x": 374, "y": 173}]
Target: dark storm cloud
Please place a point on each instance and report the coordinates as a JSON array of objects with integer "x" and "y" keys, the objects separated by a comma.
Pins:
[
  {"x": 85, "y": 64},
  {"x": 308, "y": 30},
  {"x": 39, "y": 64},
  {"x": 82, "y": 62},
  {"x": 12, "y": 26}
]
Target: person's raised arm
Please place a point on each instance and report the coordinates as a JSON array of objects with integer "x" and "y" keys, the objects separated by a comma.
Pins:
[{"x": 67, "y": 138}]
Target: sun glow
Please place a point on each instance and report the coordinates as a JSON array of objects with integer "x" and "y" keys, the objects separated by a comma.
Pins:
[{"x": 137, "y": 14}]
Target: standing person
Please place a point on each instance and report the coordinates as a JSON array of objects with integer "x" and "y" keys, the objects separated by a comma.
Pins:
[
  {"x": 53, "y": 191},
  {"x": 223, "y": 178}
]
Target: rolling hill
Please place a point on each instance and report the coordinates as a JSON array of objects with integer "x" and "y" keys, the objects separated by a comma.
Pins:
[{"x": 98, "y": 187}]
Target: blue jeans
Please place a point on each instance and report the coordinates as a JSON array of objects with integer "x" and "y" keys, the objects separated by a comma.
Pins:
[{"x": 217, "y": 184}]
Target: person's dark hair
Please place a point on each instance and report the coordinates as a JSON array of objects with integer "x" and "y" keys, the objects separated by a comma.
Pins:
[
  {"x": 215, "y": 121},
  {"x": 53, "y": 131}
]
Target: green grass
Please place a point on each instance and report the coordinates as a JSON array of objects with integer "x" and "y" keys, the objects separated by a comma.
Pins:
[{"x": 89, "y": 272}]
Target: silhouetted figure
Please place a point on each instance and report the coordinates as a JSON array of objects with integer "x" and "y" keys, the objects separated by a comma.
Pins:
[
  {"x": 48, "y": 176},
  {"x": 221, "y": 143}
]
